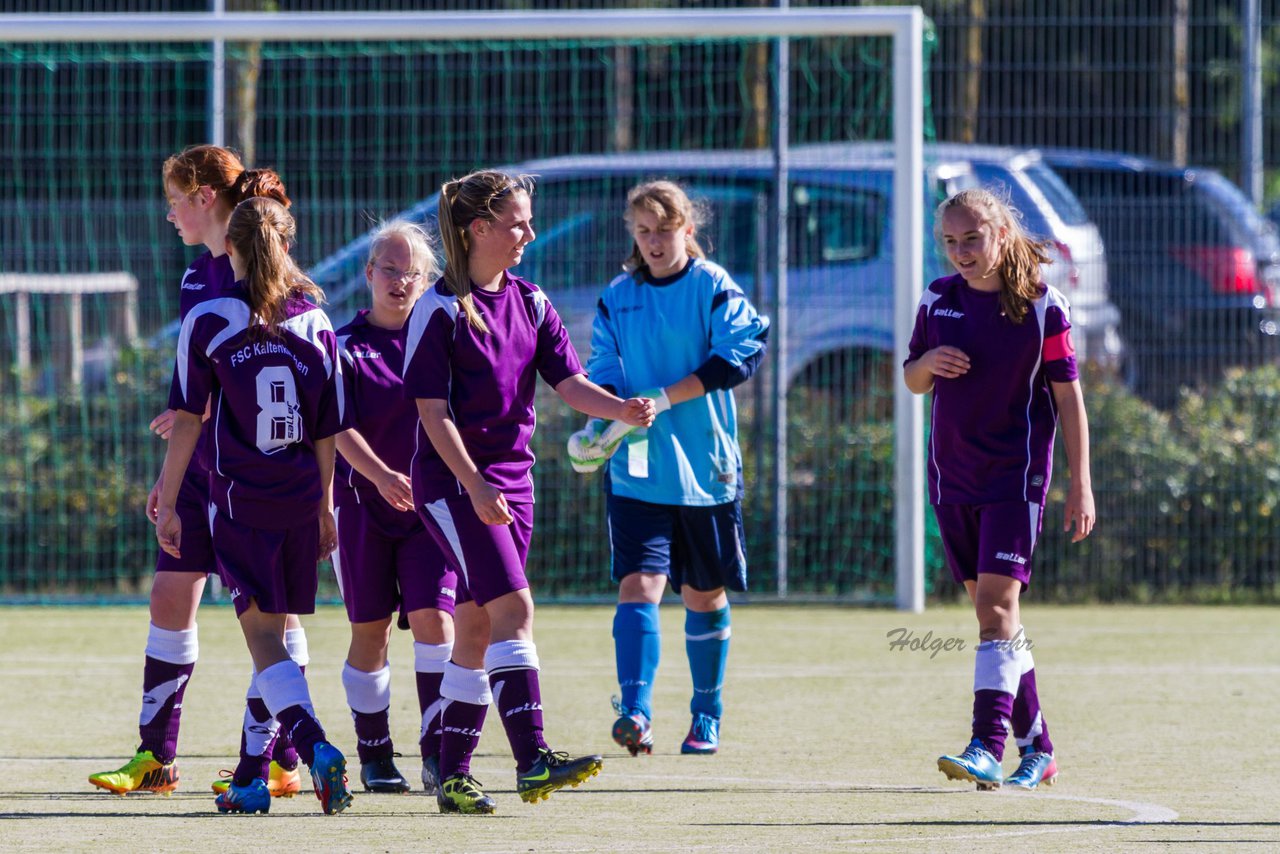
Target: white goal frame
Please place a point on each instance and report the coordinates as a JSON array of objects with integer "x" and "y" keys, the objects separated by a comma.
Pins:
[{"x": 904, "y": 24}]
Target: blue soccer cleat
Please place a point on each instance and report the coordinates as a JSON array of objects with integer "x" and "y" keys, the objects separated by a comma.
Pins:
[
  {"x": 704, "y": 735},
  {"x": 253, "y": 798},
  {"x": 1036, "y": 767},
  {"x": 329, "y": 778},
  {"x": 976, "y": 764}
]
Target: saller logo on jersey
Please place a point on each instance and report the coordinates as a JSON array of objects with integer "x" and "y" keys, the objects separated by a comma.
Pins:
[{"x": 948, "y": 312}]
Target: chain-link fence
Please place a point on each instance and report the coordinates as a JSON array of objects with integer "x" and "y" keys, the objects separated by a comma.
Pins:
[{"x": 1181, "y": 383}]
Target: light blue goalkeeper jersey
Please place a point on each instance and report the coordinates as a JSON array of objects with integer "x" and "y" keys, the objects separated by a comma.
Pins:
[{"x": 648, "y": 335}]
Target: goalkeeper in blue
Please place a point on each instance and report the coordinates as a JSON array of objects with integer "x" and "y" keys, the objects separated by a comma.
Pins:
[{"x": 673, "y": 327}]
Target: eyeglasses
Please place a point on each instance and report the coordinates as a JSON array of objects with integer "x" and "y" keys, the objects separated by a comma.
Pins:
[{"x": 389, "y": 272}]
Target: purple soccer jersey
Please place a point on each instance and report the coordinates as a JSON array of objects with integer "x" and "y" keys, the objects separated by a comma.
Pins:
[
  {"x": 386, "y": 558},
  {"x": 488, "y": 380},
  {"x": 207, "y": 278},
  {"x": 273, "y": 398},
  {"x": 992, "y": 429},
  {"x": 372, "y": 364}
]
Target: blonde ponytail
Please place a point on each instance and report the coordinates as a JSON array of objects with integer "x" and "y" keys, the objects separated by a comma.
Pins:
[{"x": 261, "y": 231}]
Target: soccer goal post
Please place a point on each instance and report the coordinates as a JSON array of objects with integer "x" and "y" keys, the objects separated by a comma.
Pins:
[{"x": 903, "y": 25}]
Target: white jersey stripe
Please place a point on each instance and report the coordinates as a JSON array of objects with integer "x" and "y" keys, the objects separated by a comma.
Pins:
[
  {"x": 439, "y": 511},
  {"x": 428, "y": 304},
  {"x": 234, "y": 311}
]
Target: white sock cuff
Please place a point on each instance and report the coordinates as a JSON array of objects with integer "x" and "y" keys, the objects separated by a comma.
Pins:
[
  {"x": 295, "y": 643},
  {"x": 180, "y": 647},
  {"x": 511, "y": 655},
  {"x": 283, "y": 685},
  {"x": 368, "y": 693},
  {"x": 465, "y": 686},
  {"x": 1025, "y": 661},
  {"x": 996, "y": 667},
  {"x": 252, "y": 692},
  {"x": 431, "y": 657}
]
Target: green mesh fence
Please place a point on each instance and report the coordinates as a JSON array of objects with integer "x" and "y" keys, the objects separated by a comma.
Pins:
[
  {"x": 1184, "y": 438},
  {"x": 362, "y": 131}
]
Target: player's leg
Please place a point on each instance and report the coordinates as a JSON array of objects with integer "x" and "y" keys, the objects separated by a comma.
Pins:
[
  {"x": 492, "y": 559},
  {"x": 273, "y": 573},
  {"x": 364, "y": 564},
  {"x": 433, "y": 640},
  {"x": 960, "y": 532},
  {"x": 170, "y": 656},
  {"x": 428, "y": 589},
  {"x": 640, "y": 541},
  {"x": 707, "y": 630},
  {"x": 284, "y": 780},
  {"x": 466, "y": 696},
  {"x": 708, "y": 559},
  {"x": 264, "y": 751},
  {"x": 1036, "y": 762},
  {"x": 366, "y": 678}
]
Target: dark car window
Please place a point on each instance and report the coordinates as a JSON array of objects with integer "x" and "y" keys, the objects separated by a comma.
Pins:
[
  {"x": 1064, "y": 202},
  {"x": 1137, "y": 225},
  {"x": 999, "y": 180},
  {"x": 1089, "y": 184},
  {"x": 834, "y": 225},
  {"x": 1136, "y": 209}
]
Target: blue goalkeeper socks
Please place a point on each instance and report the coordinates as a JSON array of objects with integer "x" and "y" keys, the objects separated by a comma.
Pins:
[
  {"x": 637, "y": 641},
  {"x": 706, "y": 640}
]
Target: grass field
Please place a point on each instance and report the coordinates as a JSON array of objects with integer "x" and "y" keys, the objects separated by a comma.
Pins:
[{"x": 1165, "y": 722}]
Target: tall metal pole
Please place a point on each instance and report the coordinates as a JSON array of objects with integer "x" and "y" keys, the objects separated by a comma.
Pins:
[
  {"x": 1251, "y": 109},
  {"x": 781, "y": 201},
  {"x": 908, "y": 275},
  {"x": 218, "y": 91}
]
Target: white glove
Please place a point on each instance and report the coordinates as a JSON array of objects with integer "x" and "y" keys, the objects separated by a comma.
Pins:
[
  {"x": 594, "y": 444},
  {"x": 585, "y": 454}
]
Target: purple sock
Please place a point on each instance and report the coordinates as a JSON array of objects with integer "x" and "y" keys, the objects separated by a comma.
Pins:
[
  {"x": 251, "y": 766},
  {"x": 373, "y": 735},
  {"x": 303, "y": 729},
  {"x": 284, "y": 690},
  {"x": 283, "y": 753},
  {"x": 429, "y": 704},
  {"x": 460, "y": 726},
  {"x": 519, "y": 699},
  {"x": 1029, "y": 726},
  {"x": 990, "y": 711},
  {"x": 170, "y": 660}
]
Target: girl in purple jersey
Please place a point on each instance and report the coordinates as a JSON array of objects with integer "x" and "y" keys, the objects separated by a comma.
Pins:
[
  {"x": 476, "y": 344},
  {"x": 202, "y": 185},
  {"x": 386, "y": 559},
  {"x": 267, "y": 360},
  {"x": 993, "y": 343}
]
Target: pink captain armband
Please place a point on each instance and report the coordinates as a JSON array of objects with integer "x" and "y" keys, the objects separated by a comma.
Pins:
[{"x": 1058, "y": 346}]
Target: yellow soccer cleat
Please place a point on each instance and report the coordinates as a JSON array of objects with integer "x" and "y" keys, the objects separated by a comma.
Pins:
[
  {"x": 281, "y": 782},
  {"x": 553, "y": 771},
  {"x": 142, "y": 773}
]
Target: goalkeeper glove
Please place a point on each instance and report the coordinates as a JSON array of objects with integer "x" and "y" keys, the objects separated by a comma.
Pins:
[{"x": 584, "y": 452}]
